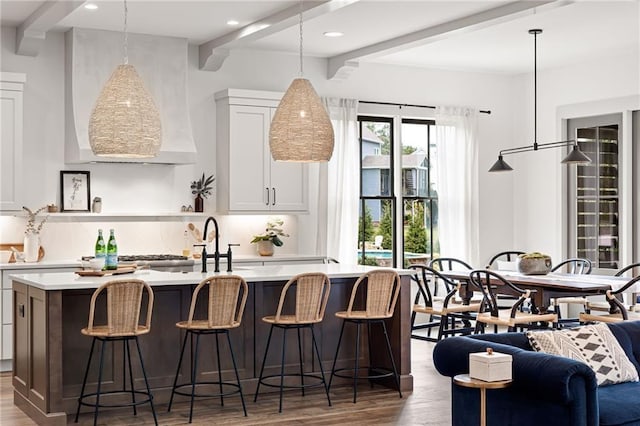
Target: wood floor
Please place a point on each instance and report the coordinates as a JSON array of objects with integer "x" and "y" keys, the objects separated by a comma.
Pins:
[{"x": 428, "y": 404}]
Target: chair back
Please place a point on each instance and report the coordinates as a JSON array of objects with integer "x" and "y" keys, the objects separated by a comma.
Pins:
[
  {"x": 615, "y": 301},
  {"x": 124, "y": 302},
  {"x": 377, "y": 241},
  {"x": 424, "y": 275},
  {"x": 383, "y": 288},
  {"x": 627, "y": 268},
  {"x": 311, "y": 296},
  {"x": 489, "y": 283},
  {"x": 574, "y": 265},
  {"x": 509, "y": 256},
  {"x": 448, "y": 264},
  {"x": 225, "y": 303}
]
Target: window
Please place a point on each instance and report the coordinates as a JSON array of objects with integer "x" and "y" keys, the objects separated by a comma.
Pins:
[
  {"x": 594, "y": 192},
  {"x": 419, "y": 191}
]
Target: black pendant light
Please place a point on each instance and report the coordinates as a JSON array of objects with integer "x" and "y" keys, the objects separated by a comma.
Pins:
[{"x": 576, "y": 156}]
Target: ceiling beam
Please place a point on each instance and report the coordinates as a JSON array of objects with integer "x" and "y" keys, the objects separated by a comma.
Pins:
[
  {"x": 214, "y": 52},
  {"x": 31, "y": 34},
  {"x": 341, "y": 65}
]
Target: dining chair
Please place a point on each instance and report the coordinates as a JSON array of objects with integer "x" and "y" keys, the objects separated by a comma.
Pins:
[
  {"x": 494, "y": 264},
  {"x": 576, "y": 265},
  {"x": 491, "y": 283},
  {"x": 604, "y": 306},
  {"x": 617, "y": 311},
  {"x": 447, "y": 264},
  {"x": 444, "y": 314}
]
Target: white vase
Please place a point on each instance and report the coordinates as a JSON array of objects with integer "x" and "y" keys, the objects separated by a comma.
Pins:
[
  {"x": 265, "y": 248},
  {"x": 31, "y": 247}
]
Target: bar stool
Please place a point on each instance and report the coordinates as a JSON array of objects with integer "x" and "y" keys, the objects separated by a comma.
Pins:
[
  {"x": 382, "y": 287},
  {"x": 123, "y": 303},
  {"x": 311, "y": 295},
  {"x": 224, "y": 312}
]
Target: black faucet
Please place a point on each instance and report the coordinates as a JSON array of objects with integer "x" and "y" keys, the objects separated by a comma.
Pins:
[{"x": 216, "y": 255}]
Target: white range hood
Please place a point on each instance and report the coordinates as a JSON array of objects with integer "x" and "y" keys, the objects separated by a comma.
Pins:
[{"x": 161, "y": 62}]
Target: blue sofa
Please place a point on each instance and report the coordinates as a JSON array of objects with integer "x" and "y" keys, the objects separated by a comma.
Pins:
[{"x": 546, "y": 389}]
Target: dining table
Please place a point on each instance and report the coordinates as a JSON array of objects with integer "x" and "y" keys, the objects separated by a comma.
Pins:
[{"x": 547, "y": 287}]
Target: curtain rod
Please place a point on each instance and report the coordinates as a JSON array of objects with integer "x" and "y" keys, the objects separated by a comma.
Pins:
[{"x": 410, "y": 105}]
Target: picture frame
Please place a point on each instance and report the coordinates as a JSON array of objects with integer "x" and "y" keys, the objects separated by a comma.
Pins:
[{"x": 75, "y": 191}]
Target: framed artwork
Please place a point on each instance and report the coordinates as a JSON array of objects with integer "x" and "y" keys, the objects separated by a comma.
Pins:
[{"x": 75, "y": 191}]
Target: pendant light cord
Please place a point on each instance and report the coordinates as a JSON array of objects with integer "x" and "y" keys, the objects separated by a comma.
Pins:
[
  {"x": 301, "y": 62},
  {"x": 126, "y": 38},
  {"x": 535, "y": 90}
]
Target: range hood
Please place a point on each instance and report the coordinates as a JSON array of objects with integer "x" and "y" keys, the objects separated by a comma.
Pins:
[{"x": 91, "y": 57}]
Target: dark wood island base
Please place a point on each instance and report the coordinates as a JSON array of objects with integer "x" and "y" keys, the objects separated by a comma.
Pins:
[{"x": 50, "y": 354}]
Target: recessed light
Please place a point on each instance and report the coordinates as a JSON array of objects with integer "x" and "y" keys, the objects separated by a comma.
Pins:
[
  {"x": 91, "y": 6},
  {"x": 232, "y": 22},
  {"x": 333, "y": 34}
]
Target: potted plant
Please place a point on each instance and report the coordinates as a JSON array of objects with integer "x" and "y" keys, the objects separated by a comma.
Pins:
[
  {"x": 270, "y": 238},
  {"x": 534, "y": 263},
  {"x": 31, "y": 247},
  {"x": 201, "y": 188}
]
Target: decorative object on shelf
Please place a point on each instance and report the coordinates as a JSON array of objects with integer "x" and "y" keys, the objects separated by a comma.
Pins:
[
  {"x": 534, "y": 263},
  {"x": 52, "y": 208},
  {"x": 32, "y": 234},
  {"x": 75, "y": 191},
  {"x": 576, "y": 156},
  {"x": 301, "y": 129},
  {"x": 125, "y": 122},
  {"x": 201, "y": 188},
  {"x": 96, "y": 206},
  {"x": 270, "y": 238}
]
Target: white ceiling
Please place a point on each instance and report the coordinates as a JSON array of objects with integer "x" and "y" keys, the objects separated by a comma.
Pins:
[{"x": 474, "y": 35}]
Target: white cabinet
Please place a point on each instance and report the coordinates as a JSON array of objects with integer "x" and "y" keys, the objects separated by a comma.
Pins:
[
  {"x": 248, "y": 180},
  {"x": 11, "y": 91}
]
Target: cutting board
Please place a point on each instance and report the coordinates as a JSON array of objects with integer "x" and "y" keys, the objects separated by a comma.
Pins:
[
  {"x": 19, "y": 247},
  {"x": 119, "y": 271}
]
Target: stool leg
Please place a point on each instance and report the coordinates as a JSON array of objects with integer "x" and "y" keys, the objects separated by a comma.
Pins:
[
  {"x": 335, "y": 358},
  {"x": 146, "y": 382},
  {"x": 193, "y": 376},
  {"x": 284, "y": 346},
  {"x": 219, "y": 370},
  {"x": 324, "y": 381},
  {"x": 84, "y": 381},
  {"x": 127, "y": 353},
  {"x": 300, "y": 362},
  {"x": 264, "y": 361},
  {"x": 235, "y": 369},
  {"x": 175, "y": 380},
  {"x": 356, "y": 370},
  {"x": 95, "y": 412},
  {"x": 393, "y": 363},
  {"x": 369, "y": 369}
]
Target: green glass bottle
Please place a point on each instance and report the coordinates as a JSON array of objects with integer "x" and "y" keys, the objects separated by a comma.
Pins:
[
  {"x": 101, "y": 248},
  {"x": 112, "y": 252}
]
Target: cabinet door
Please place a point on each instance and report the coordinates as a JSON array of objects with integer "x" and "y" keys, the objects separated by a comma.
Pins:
[
  {"x": 11, "y": 141},
  {"x": 249, "y": 188}
]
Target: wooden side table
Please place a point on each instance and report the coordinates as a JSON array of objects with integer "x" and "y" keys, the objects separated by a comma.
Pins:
[{"x": 468, "y": 382}]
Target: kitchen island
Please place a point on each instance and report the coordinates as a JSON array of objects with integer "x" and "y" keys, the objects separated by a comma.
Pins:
[{"x": 50, "y": 353}]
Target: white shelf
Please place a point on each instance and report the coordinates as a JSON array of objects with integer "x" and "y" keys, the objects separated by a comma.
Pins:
[{"x": 117, "y": 217}]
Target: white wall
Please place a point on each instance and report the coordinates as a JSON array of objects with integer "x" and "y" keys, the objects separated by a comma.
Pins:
[
  {"x": 159, "y": 188},
  {"x": 539, "y": 196}
]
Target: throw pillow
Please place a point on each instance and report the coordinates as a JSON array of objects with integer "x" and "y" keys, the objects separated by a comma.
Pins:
[{"x": 594, "y": 345}]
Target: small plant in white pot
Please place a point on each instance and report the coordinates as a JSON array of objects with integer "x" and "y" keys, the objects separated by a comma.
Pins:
[{"x": 270, "y": 238}]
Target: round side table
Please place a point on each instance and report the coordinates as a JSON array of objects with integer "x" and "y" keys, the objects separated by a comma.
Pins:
[{"x": 468, "y": 382}]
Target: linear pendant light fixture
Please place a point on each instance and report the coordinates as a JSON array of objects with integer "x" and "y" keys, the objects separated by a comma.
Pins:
[
  {"x": 576, "y": 156},
  {"x": 125, "y": 122},
  {"x": 301, "y": 130}
]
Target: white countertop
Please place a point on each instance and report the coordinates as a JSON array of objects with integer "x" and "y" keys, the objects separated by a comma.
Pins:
[{"x": 72, "y": 281}]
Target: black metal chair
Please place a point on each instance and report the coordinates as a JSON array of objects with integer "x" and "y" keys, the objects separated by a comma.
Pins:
[
  {"x": 447, "y": 264},
  {"x": 444, "y": 314},
  {"x": 490, "y": 284},
  {"x": 617, "y": 309},
  {"x": 508, "y": 256},
  {"x": 574, "y": 265},
  {"x": 605, "y": 306}
]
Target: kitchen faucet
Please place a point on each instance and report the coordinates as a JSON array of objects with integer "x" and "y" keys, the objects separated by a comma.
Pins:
[{"x": 216, "y": 255}]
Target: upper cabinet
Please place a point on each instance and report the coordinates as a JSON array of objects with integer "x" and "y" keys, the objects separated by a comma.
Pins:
[
  {"x": 11, "y": 92},
  {"x": 248, "y": 179}
]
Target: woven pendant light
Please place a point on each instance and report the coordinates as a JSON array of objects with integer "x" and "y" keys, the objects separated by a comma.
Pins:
[
  {"x": 300, "y": 129},
  {"x": 125, "y": 122}
]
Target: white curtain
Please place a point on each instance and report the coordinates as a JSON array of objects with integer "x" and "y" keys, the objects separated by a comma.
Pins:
[
  {"x": 342, "y": 184},
  {"x": 456, "y": 139}
]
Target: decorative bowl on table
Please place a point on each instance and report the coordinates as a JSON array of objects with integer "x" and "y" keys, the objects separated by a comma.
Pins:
[{"x": 534, "y": 263}]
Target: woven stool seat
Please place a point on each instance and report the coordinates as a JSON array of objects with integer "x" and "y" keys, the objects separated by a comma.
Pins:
[
  {"x": 123, "y": 304},
  {"x": 227, "y": 297},
  {"x": 311, "y": 296}
]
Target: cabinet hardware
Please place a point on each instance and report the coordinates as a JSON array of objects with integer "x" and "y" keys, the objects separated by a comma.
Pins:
[
  {"x": 274, "y": 196},
  {"x": 267, "y": 189},
  {"x": 21, "y": 310}
]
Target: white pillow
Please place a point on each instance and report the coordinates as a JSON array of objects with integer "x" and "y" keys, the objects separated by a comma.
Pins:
[
  {"x": 594, "y": 345},
  {"x": 503, "y": 265}
]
